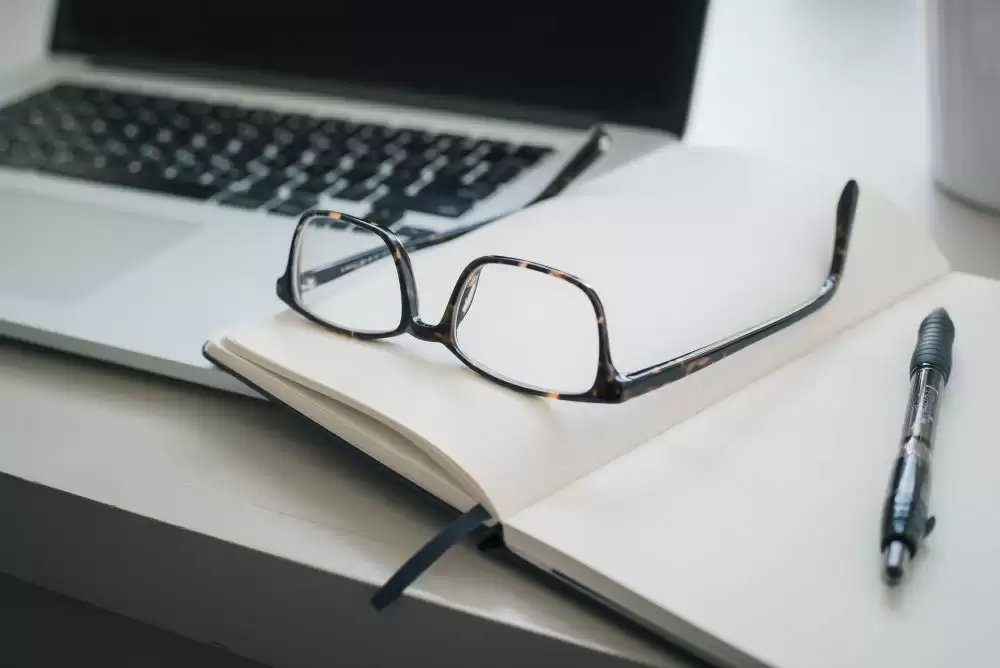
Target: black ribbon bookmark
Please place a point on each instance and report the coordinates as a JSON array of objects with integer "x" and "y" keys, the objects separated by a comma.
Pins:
[{"x": 428, "y": 554}]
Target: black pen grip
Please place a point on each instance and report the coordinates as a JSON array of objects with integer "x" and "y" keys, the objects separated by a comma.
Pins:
[{"x": 934, "y": 340}]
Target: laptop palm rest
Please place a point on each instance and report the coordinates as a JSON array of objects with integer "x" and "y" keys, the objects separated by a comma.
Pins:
[{"x": 58, "y": 252}]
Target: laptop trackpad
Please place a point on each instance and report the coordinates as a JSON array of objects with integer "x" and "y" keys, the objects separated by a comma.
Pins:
[{"x": 58, "y": 251}]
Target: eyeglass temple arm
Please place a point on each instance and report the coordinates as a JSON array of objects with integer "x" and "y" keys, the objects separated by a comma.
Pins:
[
  {"x": 651, "y": 378},
  {"x": 353, "y": 262}
]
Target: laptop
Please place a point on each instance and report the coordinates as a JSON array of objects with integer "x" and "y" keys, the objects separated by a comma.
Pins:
[{"x": 154, "y": 163}]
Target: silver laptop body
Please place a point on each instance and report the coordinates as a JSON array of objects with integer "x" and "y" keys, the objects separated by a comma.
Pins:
[{"x": 150, "y": 173}]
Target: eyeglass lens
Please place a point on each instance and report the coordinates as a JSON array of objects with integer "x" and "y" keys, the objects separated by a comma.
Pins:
[
  {"x": 367, "y": 299},
  {"x": 529, "y": 327}
]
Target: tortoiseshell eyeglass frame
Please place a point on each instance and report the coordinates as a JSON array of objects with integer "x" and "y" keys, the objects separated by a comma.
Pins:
[{"x": 610, "y": 385}]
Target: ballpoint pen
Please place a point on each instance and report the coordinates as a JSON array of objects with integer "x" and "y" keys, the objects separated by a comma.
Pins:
[{"x": 905, "y": 518}]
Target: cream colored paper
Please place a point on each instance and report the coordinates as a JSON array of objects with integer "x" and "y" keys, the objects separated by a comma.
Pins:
[
  {"x": 685, "y": 246},
  {"x": 753, "y": 528}
]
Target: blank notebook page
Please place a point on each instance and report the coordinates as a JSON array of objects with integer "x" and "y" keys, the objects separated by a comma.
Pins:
[{"x": 757, "y": 521}]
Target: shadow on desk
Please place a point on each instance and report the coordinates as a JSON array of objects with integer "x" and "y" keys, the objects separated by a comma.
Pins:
[{"x": 43, "y": 628}]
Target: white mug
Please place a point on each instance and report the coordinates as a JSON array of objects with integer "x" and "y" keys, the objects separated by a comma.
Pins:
[{"x": 964, "y": 67}]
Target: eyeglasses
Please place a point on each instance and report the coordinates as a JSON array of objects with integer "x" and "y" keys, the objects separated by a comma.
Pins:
[{"x": 487, "y": 323}]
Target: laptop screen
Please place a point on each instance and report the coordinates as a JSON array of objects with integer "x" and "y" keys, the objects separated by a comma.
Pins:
[{"x": 632, "y": 62}]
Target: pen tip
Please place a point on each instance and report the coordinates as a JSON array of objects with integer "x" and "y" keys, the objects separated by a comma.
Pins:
[
  {"x": 893, "y": 575},
  {"x": 895, "y": 555}
]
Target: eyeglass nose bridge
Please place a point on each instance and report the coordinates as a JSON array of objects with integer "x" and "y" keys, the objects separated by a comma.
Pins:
[
  {"x": 457, "y": 308},
  {"x": 441, "y": 332}
]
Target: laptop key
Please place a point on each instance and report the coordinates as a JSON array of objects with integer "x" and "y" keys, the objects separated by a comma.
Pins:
[
  {"x": 449, "y": 207},
  {"x": 294, "y": 205},
  {"x": 474, "y": 191},
  {"x": 415, "y": 161},
  {"x": 358, "y": 191},
  {"x": 456, "y": 151},
  {"x": 335, "y": 127},
  {"x": 503, "y": 172},
  {"x": 264, "y": 118},
  {"x": 362, "y": 171},
  {"x": 384, "y": 215},
  {"x": 242, "y": 201},
  {"x": 497, "y": 151},
  {"x": 330, "y": 158},
  {"x": 417, "y": 142},
  {"x": 225, "y": 112},
  {"x": 410, "y": 232},
  {"x": 181, "y": 172},
  {"x": 453, "y": 170},
  {"x": 300, "y": 123},
  {"x": 152, "y": 153},
  {"x": 399, "y": 179},
  {"x": 446, "y": 181},
  {"x": 265, "y": 188},
  {"x": 18, "y": 154},
  {"x": 367, "y": 131},
  {"x": 314, "y": 186},
  {"x": 219, "y": 180},
  {"x": 318, "y": 169},
  {"x": 531, "y": 154}
]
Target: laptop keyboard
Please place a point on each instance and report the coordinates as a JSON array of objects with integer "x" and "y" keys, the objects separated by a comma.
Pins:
[{"x": 252, "y": 158}]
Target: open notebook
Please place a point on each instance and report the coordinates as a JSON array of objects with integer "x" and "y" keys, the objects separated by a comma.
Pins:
[{"x": 736, "y": 511}]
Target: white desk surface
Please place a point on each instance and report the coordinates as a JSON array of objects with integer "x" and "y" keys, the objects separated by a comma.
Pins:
[{"x": 802, "y": 79}]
